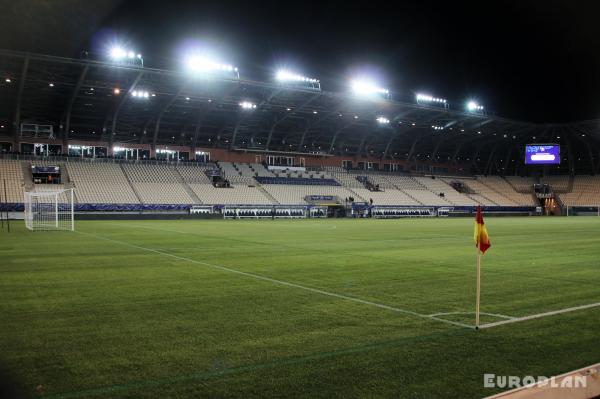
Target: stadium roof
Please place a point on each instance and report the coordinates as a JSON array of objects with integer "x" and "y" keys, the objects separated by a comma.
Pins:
[{"x": 78, "y": 98}]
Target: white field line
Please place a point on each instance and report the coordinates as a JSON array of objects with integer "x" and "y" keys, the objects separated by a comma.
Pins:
[
  {"x": 540, "y": 315},
  {"x": 501, "y": 316},
  {"x": 282, "y": 282},
  {"x": 432, "y": 316}
]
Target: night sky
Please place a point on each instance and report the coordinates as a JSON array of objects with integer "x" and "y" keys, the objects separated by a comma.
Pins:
[{"x": 532, "y": 60}]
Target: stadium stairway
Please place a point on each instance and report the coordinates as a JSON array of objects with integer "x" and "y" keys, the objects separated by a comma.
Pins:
[
  {"x": 137, "y": 195},
  {"x": 500, "y": 194},
  {"x": 27, "y": 177},
  {"x": 570, "y": 184},
  {"x": 412, "y": 197},
  {"x": 266, "y": 193},
  {"x": 187, "y": 187}
]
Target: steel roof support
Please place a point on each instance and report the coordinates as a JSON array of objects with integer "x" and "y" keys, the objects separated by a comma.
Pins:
[
  {"x": 507, "y": 161},
  {"x": 162, "y": 112},
  {"x": 244, "y": 117},
  {"x": 115, "y": 115},
  {"x": 284, "y": 117},
  {"x": 575, "y": 132},
  {"x": 395, "y": 134},
  {"x": 488, "y": 165},
  {"x": 570, "y": 157},
  {"x": 67, "y": 125},
  {"x": 17, "y": 116}
]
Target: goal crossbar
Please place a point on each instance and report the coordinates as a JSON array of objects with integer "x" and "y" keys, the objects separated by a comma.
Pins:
[{"x": 50, "y": 210}]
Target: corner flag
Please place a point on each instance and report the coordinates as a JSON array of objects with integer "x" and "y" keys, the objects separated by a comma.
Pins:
[{"x": 482, "y": 240}]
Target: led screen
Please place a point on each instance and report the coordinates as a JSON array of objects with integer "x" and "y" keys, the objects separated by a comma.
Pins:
[{"x": 540, "y": 154}]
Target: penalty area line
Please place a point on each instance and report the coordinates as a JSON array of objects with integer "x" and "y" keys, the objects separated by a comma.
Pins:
[
  {"x": 282, "y": 282},
  {"x": 540, "y": 315}
]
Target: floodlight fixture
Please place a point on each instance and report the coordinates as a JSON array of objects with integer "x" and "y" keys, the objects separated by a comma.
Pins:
[
  {"x": 247, "y": 105},
  {"x": 428, "y": 99},
  {"x": 116, "y": 91},
  {"x": 473, "y": 106},
  {"x": 436, "y": 127},
  {"x": 121, "y": 55},
  {"x": 201, "y": 65},
  {"x": 7, "y": 80},
  {"x": 142, "y": 94},
  {"x": 382, "y": 120},
  {"x": 117, "y": 53},
  {"x": 366, "y": 88},
  {"x": 284, "y": 76}
]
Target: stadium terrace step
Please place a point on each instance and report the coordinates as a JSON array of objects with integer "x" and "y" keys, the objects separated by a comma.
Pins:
[
  {"x": 300, "y": 181},
  {"x": 137, "y": 194},
  {"x": 186, "y": 187}
]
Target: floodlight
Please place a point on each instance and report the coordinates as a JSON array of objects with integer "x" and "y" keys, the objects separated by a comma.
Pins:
[
  {"x": 51, "y": 84},
  {"x": 247, "y": 105},
  {"x": 117, "y": 53},
  {"x": 367, "y": 88},
  {"x": 140, "y": 94},
  {"x": 383, "y": 120},
  {"x": 7, "y": 80},
  {"x": 131, "y": 54},
  {"x": 285, "y": 76},
  {"x": 426, "y": 98},
  {"x": 116, "y": 91},
  {"x": 200, "y": 64},
  {"x": 474, "y": 106}
]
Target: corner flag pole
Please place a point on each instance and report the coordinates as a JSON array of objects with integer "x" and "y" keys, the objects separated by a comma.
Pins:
[
  {"x": 6, "y": 202},
  {"x": 478, "y": 289},
  {"x": 2, "y": 216}
]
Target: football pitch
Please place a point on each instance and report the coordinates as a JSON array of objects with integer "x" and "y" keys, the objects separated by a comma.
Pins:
[{"x": 295, "y": 308}]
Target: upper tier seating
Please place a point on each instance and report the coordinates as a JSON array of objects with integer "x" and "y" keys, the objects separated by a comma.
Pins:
[
  {"x": 390, "y": 196},
  {"x": 501, "y": 186},
  {"x": 12, "y": 172},
  {"x": 157, "y": 184},
  {"x": 287, "y": 194},
  {"x": 450, "y": 194},
  {"x": 260, "y": 170},
  {"x": 586, "y": 192},
  {"x": 557, "y": 183},
  {"x": 235, "y": 195},
  {"x": 521, "y": 184},
  {"x": 100, "y": 183},
  {"x": 195, "y": 173},
  {"x": 297, "y": 181}
]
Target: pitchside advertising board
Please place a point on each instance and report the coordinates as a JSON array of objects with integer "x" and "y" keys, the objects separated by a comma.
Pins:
[{"x": 542, "y": 154}]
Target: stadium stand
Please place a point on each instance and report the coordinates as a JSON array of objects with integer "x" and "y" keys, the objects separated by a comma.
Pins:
[
  {"x": 388, "y": 197},
  {"x": 439, "y": 186},
  {"x": 520, "y": 184},
  {"x": 234, "y": 195},
  {"x": 157, "y": 184},
  {"x": 557, "y": 183},
  {"x": 586, "y": 192},
  {"x": 101, "y": 183},
  {"x": 11, "y": 171},
  {"x": 288, "y": 194},
  {"x": 504, "y": 188}
]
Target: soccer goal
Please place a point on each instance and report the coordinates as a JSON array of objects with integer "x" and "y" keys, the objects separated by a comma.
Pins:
[{"x": 50, "y": 210}]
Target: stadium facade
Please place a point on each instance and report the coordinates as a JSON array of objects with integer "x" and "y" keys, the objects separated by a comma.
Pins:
[{"x": 65, "y": 110}]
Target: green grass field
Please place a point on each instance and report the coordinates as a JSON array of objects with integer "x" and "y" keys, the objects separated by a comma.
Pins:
[{"x": 301, "y": 308}]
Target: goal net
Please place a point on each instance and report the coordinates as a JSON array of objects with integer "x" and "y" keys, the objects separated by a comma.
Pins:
[{"x": 49, "y": 210}]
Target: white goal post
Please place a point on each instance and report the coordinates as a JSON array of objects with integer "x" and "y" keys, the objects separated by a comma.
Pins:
[{"x": 50, "y": 210}]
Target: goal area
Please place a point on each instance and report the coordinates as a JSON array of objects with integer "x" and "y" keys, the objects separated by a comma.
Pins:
[{"x": 50, "y": 210}]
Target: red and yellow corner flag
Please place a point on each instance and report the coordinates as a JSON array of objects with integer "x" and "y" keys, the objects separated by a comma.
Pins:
[{"x": 482, "y": 240}]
